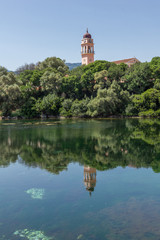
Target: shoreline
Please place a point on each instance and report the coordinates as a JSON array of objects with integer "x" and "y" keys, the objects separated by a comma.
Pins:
[{"x": 67, "y": 118}]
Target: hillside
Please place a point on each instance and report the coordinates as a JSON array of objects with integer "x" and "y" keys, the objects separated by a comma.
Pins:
[{"x": 73, "y": 65}]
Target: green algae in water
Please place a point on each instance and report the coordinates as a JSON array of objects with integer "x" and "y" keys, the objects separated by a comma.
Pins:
[
  {"x": 32, "y": 234},
  {"x": 80, "y": 237},
  {"x": 36, "y": 193}
]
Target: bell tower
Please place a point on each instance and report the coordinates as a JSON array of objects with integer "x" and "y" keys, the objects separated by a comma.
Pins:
[
  {"x": 89, "y": 178},
  {"x": 87, "y": 49}
]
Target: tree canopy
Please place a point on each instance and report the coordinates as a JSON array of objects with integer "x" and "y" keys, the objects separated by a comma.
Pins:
[{"x": 99, "y": 89}]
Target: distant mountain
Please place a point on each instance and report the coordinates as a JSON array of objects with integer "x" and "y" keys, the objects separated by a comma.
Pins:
[{"x": 73, "y": 65}]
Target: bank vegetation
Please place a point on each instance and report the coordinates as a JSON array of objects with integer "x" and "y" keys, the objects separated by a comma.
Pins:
[{"x": 100, "y": 89}]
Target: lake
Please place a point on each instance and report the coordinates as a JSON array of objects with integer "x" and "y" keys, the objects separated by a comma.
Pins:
[{"x": 80, "y": 179}]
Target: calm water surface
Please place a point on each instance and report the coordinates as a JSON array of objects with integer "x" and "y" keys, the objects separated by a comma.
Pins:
[{"x": 87, "y": 180}]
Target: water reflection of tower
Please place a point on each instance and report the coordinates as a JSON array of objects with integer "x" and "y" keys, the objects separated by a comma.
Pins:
[{"x": 89, "y": 178}]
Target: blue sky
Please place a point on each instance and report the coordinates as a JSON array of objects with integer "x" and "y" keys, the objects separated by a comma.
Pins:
[{"x": 32, "y": 30}]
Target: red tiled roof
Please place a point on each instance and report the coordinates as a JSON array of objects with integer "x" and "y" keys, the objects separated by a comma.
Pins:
[{"x": 129, "y": 60}]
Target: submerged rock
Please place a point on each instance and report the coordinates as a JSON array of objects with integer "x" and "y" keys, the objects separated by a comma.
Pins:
[
  {"x": 36, "y": 193},
  {"x": 32, "y": 234},
  {"x": 80, "y": 236}
]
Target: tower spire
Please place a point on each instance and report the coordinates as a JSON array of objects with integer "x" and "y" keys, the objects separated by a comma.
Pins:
[{"x": 87, "y": 30}]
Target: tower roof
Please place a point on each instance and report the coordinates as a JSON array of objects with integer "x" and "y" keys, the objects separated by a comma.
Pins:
[{"x": 87, "y": 35}]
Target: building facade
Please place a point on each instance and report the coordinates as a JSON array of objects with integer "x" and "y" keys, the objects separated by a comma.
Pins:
[{"x": 87, "y": 49}]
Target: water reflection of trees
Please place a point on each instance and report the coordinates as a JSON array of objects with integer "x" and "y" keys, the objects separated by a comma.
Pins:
[{"x": 99, "y": 144}]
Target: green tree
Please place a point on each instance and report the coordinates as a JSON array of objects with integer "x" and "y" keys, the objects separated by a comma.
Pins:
[
  {"x": 155, "y": 67},
  {"x": 80, "y": 108},
  {"x": 87, "y": 83},
  {"x": 138, "y": 78},
  {"x": 30, "y": 91},
  {"x": 28, "y": 109},
  {"x": 101, "y": 80},
  {"x": 10, "y": 92},
  {"x": 53, "y": 63},
  {"x": 49, "y": 105},
  {"x": 66, "y": 108},
  {"x": 97, "y": 66},
  {"x": 108, "y": 101},
  {"x": 145, "y": 104},
  {"x": 51, "y": 82},
  {"x": 3, "y": 71},
  {"x": 78, "y": 71},
  {"x": 157, "y": 84},
  {"x": 25, "y": 67},
  {"x": 70, "y": 87},
  {"x": 115, "y": 72}
]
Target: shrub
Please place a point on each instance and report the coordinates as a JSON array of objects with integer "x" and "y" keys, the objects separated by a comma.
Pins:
[
  {"x": 66, "y": 108},
  {"x": 79, "y": 108},
  {"x": 148, "y": 113}
]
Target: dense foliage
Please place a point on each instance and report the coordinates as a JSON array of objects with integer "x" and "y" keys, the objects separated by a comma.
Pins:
[{"x": 99, "y": 89}]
